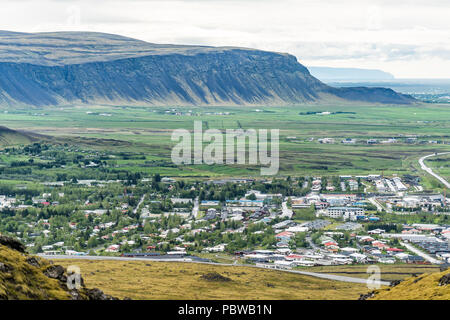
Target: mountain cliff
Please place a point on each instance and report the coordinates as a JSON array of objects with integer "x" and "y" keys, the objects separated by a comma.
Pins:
[{"x": 93, "y": 68}]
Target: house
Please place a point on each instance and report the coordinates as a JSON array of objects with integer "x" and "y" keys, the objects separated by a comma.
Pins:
[
  {"x": 376, "y": 231},
  {"x": 285, "y": 235},
  {"x": 379, "y": 244},
  {"x": 348, "y": 141},
  {"x": 113, "y": 248},
  {"x": 416, "y": 260},
  {"x": 299, "y": 203},
  {"x": 366, "y": 239},
  {"x": 211, "y": 214},
  {"x": 218, "y": 248},
  {"x": 326, "y": 140},
  {"x": 209, "y": 203},
  {"x": 296, "y": 229},
  {"x": 181, "y": 200},
  {"x": 358, "y": 257}
]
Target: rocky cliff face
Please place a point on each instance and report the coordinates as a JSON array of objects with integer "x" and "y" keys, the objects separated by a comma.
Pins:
[{"x": 87, "y": 68}]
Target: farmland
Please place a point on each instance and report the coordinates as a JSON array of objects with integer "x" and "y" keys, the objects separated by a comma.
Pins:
[{"x": 147, "y": 131}]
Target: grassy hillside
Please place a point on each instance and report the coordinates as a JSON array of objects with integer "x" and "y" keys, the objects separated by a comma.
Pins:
[
  {"x": 10, "y": 137},
  {"x": 424, "y": 287},
  {"x": 169, "y": 280}
]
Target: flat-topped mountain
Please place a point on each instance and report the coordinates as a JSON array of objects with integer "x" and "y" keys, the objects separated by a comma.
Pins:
[{"x": 66, "y": 68}]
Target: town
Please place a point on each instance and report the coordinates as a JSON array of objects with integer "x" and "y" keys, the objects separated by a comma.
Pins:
[{"x": 279, "y": 223}]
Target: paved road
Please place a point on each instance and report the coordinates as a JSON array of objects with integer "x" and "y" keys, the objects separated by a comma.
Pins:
[
  {"x": 306, "y": 273},
  {"x": 427, "y": 169},
  {"x": 286, "y": 211},
  {"x": 421, "y": 253},
  {"x": 376, "y": 204}
]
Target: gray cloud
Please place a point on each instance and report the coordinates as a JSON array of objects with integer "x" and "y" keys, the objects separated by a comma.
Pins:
[{"x": 405, "y": 37}]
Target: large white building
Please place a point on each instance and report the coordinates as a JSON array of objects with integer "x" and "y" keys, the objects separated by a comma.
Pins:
[{"x": 347, "y": 213}]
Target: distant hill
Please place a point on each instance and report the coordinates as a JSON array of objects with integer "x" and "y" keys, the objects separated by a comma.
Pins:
[
  {"x": 66, "y": 68},
  {"x": 328, "y": 74},
  {"x": 10, "y": 137}
]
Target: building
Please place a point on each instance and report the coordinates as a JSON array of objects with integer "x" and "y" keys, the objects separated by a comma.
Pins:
[
  {"x": 347, "y": 213},
  {"x": 211, "y": 214}
]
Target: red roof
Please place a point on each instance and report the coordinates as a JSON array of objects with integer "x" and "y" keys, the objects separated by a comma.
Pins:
[
  {"x": 284, "y": 234},
  {"x": 394, "y": 249},
  {"x": 294, "y": 256}
]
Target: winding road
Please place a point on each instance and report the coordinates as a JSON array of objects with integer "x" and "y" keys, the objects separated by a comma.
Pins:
[
  {"x": 429, "y": 171},
  {"x": 305, "y": 273},
  {"x": 135, "y": 210}
]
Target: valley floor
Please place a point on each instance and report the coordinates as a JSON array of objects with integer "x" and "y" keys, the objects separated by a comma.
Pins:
[{"x": 166, "y": 280}]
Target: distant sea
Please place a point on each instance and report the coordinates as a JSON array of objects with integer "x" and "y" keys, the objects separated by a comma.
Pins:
[{"x": 428, "y": 90}]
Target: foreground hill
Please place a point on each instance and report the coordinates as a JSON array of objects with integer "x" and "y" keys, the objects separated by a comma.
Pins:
[
  {"x": 93, "y": 68},
  {"x": 429, "y": 286},
  {"x": 24, "y": 277}
]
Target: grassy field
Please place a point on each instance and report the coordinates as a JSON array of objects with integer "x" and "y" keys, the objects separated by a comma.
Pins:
[
  {"x": 165, "y": 280},
  {"x": 147, "y": 130}
]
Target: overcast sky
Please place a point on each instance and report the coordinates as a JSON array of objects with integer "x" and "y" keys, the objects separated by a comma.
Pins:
[{"x": 409, "y": 38}]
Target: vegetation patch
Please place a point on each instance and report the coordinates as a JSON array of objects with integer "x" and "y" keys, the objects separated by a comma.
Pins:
[{"x": 214, "y": 276}]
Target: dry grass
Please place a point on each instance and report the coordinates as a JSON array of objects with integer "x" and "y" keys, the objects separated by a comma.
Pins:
[
  {"x": 26, "y": 282},
  {"x": 174, "y": 281}
]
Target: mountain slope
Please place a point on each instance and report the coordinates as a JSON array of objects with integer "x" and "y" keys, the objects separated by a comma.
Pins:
[
  {"x": 93, "y": 68},
  {"x": 431, "y": 286}
]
